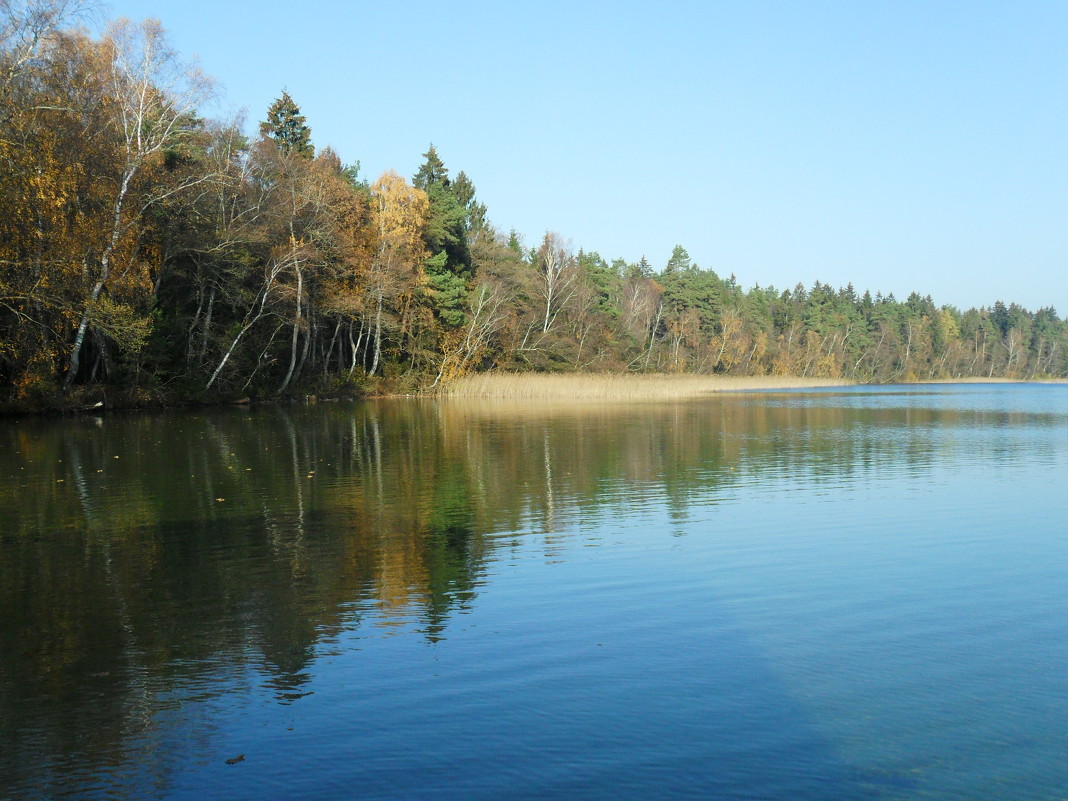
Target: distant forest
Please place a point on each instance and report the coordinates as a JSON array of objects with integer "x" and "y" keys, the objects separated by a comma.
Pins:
[{"x": 150, "y": 255}]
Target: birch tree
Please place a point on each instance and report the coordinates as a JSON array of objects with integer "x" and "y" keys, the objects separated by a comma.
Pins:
[
  {"x": 399, "y": 214},
  {"x": 154, "y": 97},
  {"x": 557, "y": 278}
]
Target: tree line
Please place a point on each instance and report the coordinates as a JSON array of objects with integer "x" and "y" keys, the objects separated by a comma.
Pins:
[{"x": 150, "y": 251}]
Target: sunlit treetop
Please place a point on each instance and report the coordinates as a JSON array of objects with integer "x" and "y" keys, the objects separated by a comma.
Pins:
[{"x": 288, "y": 127}]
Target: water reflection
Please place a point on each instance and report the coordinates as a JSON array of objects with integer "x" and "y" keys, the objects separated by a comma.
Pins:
[{"x": 152, "y": 561}]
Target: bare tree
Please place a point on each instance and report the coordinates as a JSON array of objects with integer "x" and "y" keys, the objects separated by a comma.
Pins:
[{"x": 25, "y": 25}]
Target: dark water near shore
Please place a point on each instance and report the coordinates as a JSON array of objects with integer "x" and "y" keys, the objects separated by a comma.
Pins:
[{"x": 837, "y": 594}]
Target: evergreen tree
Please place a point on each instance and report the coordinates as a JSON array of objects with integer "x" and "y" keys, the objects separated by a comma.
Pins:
[
  {"x": 999, "y": 315},
  {"x": 464, "y": 190},
  {"x": 447, "y": 220},
  {"x": 432, "y": 172},
  {"x": 513, "y": 242},
  {"x": 288, "y": 128},
  {"x": 679, "y": 261},
  {"x": 687, "y": 289}
]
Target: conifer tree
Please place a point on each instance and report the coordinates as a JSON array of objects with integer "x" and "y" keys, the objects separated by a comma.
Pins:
[
  {"x": 432, "y": 172},
  {"x": 679, "y": 262},
  {"x": 288, "y": 127},
  {"x": 447, "y": 221}
]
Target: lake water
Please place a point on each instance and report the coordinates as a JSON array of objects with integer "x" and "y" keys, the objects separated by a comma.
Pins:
[{"x": 836, "y": 594}]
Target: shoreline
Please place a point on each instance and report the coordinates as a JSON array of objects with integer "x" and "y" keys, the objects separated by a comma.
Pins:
[
  {"x": 615, "y": 386},
  {"x": 505, "y": 386},
  {"x": 656, "y": 386},
  {"x": 982, "y": 380}
]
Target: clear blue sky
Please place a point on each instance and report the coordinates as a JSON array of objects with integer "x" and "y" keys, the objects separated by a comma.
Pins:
[{"x": 898, "y": 145}]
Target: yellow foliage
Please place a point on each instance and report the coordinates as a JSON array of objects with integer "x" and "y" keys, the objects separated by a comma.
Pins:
[
  {"x": 400, "y": 214},
  {"x": 947, "y": 327},
  {"x": 120, "y": 322}
]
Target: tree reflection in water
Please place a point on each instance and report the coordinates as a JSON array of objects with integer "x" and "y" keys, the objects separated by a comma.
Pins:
[{"x": 153, "y": 560}]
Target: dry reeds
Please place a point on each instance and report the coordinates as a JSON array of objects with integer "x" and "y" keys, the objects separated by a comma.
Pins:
[{"x": 615, "y": 387}]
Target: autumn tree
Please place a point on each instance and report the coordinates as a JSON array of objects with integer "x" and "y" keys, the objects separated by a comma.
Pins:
[
  {"x": 641, "y": 310},
  {"x": 51, "y": 92},
  {"x": 153, "y": 96},
  {"x": 400, "y": 212},
  {"x": 26, "y": 28},
  {"x": 731, "y": 343}
]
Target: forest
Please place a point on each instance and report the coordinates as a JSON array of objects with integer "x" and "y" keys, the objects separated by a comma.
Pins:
[{"x": 149, "y": 255}]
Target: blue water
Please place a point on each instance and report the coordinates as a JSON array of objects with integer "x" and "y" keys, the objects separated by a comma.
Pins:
[{"x": 798, "y": 595}]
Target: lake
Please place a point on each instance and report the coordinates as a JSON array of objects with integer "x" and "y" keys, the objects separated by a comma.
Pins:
[{"x": 834, "y": 594}]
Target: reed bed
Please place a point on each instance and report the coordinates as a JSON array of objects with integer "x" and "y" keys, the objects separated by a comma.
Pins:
[{"x": 616, "y": 387}]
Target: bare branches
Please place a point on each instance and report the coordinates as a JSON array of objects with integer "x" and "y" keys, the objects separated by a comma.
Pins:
[
  {"x": 26, "y": 24},
  {"x": 557, "y": 278},
  {"x": 155, "y": 91}
]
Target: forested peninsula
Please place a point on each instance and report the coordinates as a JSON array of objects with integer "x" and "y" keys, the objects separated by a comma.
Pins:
[{"x": 151, "y": 256}]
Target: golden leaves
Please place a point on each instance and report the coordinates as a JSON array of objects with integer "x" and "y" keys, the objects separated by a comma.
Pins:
[{"x": 400, "y": 215}]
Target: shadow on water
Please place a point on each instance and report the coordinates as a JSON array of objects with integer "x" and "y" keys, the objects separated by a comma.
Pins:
[{"x": 156, "y": 566}]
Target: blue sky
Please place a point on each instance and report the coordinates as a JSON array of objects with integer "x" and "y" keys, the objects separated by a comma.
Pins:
[{"x": 899, "y": 145}]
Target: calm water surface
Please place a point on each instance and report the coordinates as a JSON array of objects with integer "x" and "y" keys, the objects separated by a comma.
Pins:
[{"x": 795, "y": 595}]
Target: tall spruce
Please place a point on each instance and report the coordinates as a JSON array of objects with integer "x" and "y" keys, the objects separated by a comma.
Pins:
[
  {"x": 288, "y": 127},
  {"x": 447, "y": 221}
]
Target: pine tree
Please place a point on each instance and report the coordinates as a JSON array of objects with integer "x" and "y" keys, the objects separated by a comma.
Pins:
[
  {"x": 679, "y": 261},
  {"x": 288, "y": 127}
]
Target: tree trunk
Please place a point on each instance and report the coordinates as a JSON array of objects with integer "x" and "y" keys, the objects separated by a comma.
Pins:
[
  {"x": 378, "y": 337},
  {"x": 296, "y": 333},
  {"x": 105, "y": 271}
]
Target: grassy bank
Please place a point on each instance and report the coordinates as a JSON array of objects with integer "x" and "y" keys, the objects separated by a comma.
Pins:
[{"x": 605, "y": 386}]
